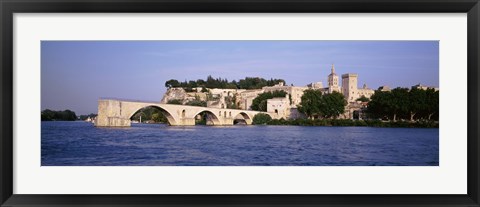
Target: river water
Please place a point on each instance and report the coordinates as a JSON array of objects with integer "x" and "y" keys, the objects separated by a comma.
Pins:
[{"x": 81, "y": 144}]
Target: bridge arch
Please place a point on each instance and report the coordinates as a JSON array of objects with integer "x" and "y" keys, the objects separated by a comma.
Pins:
[
  {"x": 171, "y": 120},
  {"x": 244, "y": 116},
  {"x": 212, "y": 117}
]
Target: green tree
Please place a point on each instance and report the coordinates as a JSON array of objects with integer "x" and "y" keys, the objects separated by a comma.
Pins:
[
  {"x": 332, "y": 105},
  {"x": 363, "y": 99},
  {"x": 66, "y": 115},
  {"x": 175, "y": 101},
  {"x": 400, "y": 102},
  {"x": 150, "y": 113},
  {"x": 247, "y": 83},
  {"x": 211, "y": 82},
  {"x": 261, "y": 118},
  {"x": 432, "y": 102},
  {"x": 314, "y": 104},
  {"x": 159, "y": 117},
  {"x": 417, "y": 101},
  {"x": 380, "y": 104},
  {"x": 395, "y": 103},
  {"x": 197, "y": 103},
  {"x": 48, "y": 115},
  {"x": 192, "y": 84},
  {"x": 172, "y": 83},
  {"x": 260, "y": 102},
  {"x": 311, "y": 103}
]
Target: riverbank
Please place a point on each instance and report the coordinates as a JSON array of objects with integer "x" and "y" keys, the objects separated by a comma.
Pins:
[{"x": 349, "y": 122}]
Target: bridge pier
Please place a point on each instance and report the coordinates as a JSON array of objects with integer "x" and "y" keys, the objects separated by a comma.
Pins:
[
  {"x": 103, "y": 121},
  {"x": 187, "y": 122},
  {"x": 227, "y": 121},
  {"x": 110, "y": 114}
]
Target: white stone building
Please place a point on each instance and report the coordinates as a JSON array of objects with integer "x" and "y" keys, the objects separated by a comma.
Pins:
[
  {"x": 294, "y": 92},
  {"x": 280, "y": 106},
  {"x": 365, "y": 91},
  {"x": 244, "y": 100},
  {"x": 316, "y": 85},
  {"x": 423, "y": 87}
]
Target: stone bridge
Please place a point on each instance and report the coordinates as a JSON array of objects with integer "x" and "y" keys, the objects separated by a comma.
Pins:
[{"x": 117, "y": 113}]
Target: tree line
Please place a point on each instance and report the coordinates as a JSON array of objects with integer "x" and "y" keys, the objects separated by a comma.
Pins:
[
  {"x": 402, "y": 103},
  {"x": 247, "y": 83},
  {"x": 50, "y": 115}
]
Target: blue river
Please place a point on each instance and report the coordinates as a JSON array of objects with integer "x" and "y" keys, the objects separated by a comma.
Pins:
[{"x": 81, "y": 144}]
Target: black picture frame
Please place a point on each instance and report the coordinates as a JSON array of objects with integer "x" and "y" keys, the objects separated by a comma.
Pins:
[{"x": 10, "y": 7}]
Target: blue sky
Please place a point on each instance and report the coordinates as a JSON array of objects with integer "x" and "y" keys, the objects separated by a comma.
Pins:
[{"x": 75, "y": 74}]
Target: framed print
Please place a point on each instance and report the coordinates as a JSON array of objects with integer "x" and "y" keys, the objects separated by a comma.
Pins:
[{"x": 240, "y": 103}]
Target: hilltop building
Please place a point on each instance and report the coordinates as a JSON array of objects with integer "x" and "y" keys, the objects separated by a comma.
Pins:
[
  {"x": 316, "y": 85},
  {"x": 422, "y": 87},
  {"x": 384, "y": 88}
]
